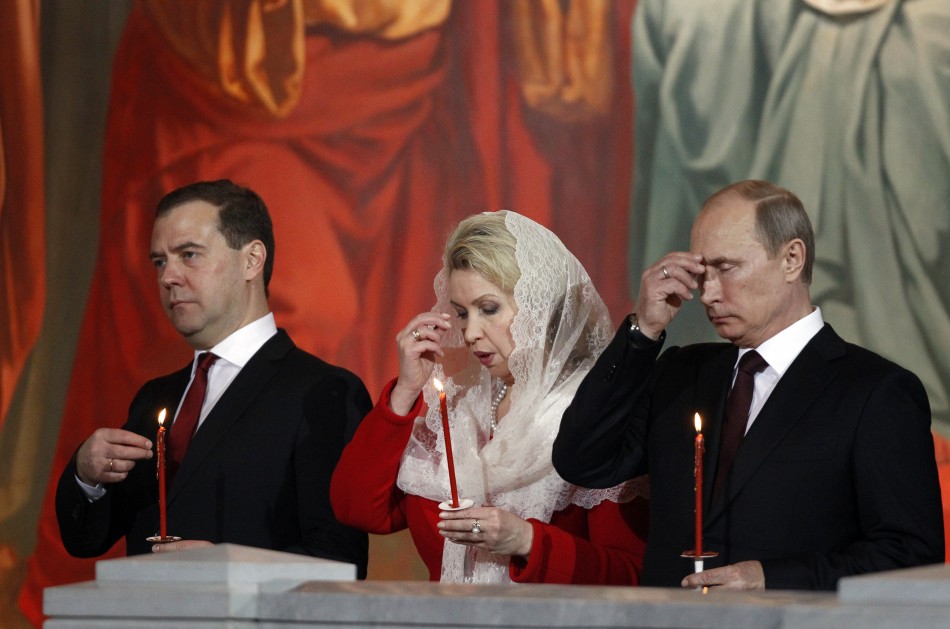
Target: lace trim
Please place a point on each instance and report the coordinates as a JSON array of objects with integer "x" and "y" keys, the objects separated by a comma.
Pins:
[{"x": 562, "y": 325}]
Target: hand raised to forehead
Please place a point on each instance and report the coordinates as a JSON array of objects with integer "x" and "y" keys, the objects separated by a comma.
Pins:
[
  {"x": 418, "y": 344},
  {"x": 664, "y": 287}
]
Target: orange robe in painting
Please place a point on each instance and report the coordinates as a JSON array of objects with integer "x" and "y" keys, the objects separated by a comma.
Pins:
[
  {"x": 369, "y": 135},
  {"x": 22, "y": 201}
]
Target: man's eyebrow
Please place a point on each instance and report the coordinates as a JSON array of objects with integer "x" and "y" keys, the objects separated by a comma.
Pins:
[
  {"x": 178, "y": 248},
  {"x": 718, "y": 261}
]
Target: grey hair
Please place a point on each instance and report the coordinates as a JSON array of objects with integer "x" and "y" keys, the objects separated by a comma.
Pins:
[{"x": 779, "y": 218}]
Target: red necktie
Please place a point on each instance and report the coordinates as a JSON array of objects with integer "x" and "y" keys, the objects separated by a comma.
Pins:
[
  {"x": 187, "y": 421},
  {"x": 737, "y": 415}
]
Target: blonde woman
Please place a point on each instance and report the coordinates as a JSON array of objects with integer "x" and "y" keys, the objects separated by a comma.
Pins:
[{"x": 516, "y": 327}]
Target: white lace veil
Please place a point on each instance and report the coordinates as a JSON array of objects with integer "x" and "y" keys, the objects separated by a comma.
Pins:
[{"x": 561, "y": 326}]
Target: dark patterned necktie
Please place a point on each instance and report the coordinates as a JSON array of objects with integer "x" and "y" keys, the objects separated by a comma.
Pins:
[{"x": 736, "y": 416}]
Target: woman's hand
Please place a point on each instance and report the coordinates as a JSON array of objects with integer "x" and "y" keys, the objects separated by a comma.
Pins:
[
  {"x": 501, "y": 532},
  {"x": 418, "y": 345}
]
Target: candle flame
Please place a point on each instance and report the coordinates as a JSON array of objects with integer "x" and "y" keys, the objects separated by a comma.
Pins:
[
  {"x": 698, "y": 422},
  {"x": 437, "y": 383},
  {"x": 161, "y": 417}
]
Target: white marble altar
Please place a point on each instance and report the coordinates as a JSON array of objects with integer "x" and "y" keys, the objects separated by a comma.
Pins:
[{"x": 236, "y": 587}]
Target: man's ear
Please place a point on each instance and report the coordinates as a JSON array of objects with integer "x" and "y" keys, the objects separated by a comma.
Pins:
[
  {"x": 793, "y": 259},
  {"x": 255, "y": 254}
]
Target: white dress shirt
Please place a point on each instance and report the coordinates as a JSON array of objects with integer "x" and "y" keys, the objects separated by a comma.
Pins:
[
  {"x": 233, "y": 353},
  {"x": 779, "y": 352}
]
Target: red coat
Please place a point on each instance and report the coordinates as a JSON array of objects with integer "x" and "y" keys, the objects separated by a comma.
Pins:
[{"x": 603, "y": 545}]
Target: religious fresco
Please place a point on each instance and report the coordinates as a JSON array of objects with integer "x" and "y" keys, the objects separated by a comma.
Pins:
[
  {"x": 371, "y": 128},
  {"x": 847, "y": 104}
]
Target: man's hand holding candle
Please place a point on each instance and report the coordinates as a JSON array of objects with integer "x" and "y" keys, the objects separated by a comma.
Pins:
[
  {"x": 185, "y": 544},
  {"x": 745, "y": 575},
  {"x": 110, "y": 454}
]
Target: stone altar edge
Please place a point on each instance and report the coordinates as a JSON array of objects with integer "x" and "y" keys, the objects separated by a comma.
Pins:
[
  {"x": 151, "y": 601},
  {"x": 409, "y": 603},
  {"x": 911, "y": 586},
  {"x": 222, "y": 563}
]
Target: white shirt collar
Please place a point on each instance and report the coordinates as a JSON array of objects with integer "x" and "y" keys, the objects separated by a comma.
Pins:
[
  {"x": 783, "y": 348},
  {"x": 242, "y": 344}
]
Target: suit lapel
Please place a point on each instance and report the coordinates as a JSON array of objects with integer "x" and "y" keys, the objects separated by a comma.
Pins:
[
  {"x": 806, "y": 378},
  {"x": 713, "y": 380},
  {"x": 170, "y": 394},
  {"x": 248, "y": 384}
]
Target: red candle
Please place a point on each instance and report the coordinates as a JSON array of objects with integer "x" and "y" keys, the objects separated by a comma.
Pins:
[
  {"x": 698, "y": 472},
  {"x": 160, "y": 447},
  {"x": 450, "y": 461}
]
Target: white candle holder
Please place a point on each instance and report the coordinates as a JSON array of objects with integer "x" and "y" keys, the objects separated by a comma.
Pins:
[
  {"x": 158, "y": 539},
  {"x": 698, "y": 559},
  {"x": 464, "y": 503}
]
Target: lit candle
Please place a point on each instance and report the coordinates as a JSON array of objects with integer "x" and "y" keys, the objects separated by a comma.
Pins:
[
  {"x": 160, "y": 447},
  {"x": 450, "y": 461},
  {"x": 698, "y": 472}
]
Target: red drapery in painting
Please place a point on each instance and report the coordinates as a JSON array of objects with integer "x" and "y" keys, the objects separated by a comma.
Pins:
[
  {"x": 22, "y": 205},
  {"x": 392, "y": 141},
  {"x": 471, "y": 143},
  {"x": 22, "y": 224}
]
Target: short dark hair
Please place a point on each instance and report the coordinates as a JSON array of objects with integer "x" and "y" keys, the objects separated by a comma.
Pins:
[
  {"x": 779, "y": 218},
  {"x": 242, "y": 214}
]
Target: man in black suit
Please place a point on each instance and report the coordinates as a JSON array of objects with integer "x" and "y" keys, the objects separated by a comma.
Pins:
[
  {"x": 833, "y": 471},
  {"x": 269, "y": 420}
]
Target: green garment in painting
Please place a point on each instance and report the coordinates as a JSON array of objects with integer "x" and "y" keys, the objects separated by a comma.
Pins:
[{"x": 849, "y": 109}]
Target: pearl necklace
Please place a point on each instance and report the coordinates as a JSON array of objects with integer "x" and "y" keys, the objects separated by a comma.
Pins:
[{"x": 495, "y": 403}]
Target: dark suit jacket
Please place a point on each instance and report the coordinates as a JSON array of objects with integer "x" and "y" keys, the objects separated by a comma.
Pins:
[
  {"x": 257, "y": 471},
  {"x": 835, "y": 477}
]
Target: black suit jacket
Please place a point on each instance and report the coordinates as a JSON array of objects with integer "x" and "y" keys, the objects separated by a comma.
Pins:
[
  {"x": 257, "y": 471},
  {"x": 835, "y": 477}
]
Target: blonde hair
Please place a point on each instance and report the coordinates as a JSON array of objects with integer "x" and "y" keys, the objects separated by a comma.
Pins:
[{"x": 483, "y": 243}]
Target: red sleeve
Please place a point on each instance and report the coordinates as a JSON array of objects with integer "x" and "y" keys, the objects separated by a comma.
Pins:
[
  {"x": 363, "y": 489},
  {"x": 609, "y": 552}
]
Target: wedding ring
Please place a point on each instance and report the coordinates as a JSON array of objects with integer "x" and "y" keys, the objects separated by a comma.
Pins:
[
  {"x": 475, "y": 527},
  {"x": 666, "y": 274},
  {"x": 111, "y": 461},
  {"x": 416, "y": 335}
]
